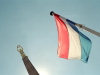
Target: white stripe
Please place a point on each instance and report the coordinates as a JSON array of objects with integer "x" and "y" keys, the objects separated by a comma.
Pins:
[{"x": 74, "y": 42}]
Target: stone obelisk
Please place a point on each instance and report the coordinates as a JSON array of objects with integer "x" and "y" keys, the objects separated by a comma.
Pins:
[{"x": 30, "y": 68}]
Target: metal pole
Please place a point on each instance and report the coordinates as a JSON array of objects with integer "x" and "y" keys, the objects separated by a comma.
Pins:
[
  {"x": 83, "y": 27},
  {"x": 88, "y": 29}
]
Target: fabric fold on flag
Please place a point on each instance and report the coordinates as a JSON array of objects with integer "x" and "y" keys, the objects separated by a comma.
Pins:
[{"x": 72, "y": 44}]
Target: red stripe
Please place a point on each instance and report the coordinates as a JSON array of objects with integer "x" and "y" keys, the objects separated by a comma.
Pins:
[{"x": 63, "y": 37}]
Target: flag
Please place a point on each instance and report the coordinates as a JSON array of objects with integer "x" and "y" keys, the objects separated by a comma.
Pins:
[{"x": 72, "y": 44}]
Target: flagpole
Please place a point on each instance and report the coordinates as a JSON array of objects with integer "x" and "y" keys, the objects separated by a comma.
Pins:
[
  {"x": 88, "y": 29},
  {"x": 83, "y": 27}
]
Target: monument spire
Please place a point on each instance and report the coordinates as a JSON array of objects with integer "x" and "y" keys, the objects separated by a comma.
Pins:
[{"x": 30, "y": 68}]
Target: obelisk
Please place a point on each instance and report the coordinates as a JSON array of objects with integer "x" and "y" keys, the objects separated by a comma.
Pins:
[{"x": 30, "y": 68}]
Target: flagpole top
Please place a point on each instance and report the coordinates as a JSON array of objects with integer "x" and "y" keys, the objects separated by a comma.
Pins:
[{"x": 51, "y": 13}]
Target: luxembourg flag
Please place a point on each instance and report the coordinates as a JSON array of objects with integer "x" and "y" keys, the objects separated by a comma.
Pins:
[{"x": 72, "y": 44}]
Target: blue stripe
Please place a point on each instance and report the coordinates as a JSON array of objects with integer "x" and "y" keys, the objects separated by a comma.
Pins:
[
  {"x": 72, "y": 24},
  {"x": 84, "y": 40},
  {"x": 86, "y": 47}
]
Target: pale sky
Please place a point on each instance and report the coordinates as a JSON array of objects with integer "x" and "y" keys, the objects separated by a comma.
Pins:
[{"x": 28, "y": 23}]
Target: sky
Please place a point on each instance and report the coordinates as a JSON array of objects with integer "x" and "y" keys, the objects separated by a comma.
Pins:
[{"x": 28, "y": 23}]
